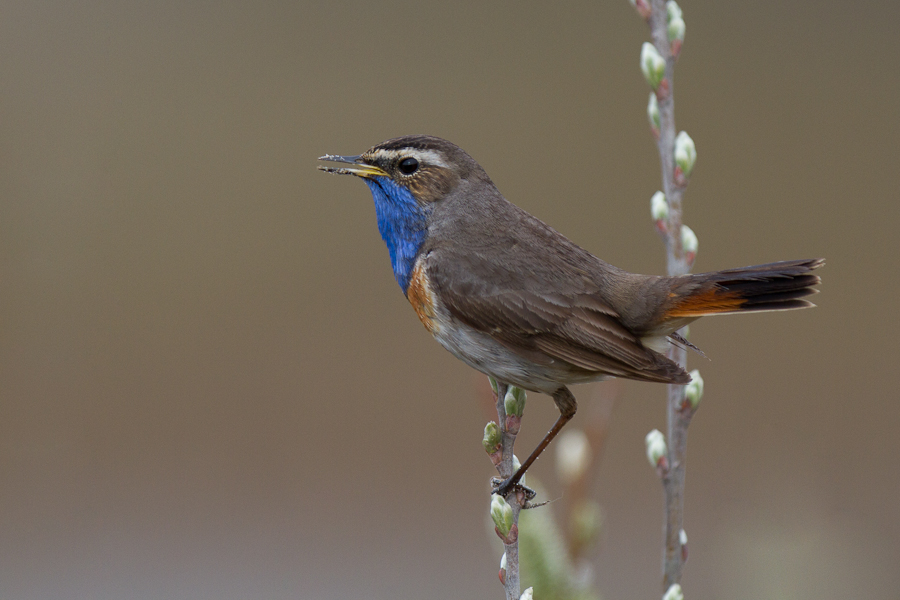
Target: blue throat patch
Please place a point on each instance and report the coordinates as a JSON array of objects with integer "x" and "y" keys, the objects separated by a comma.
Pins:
[{"x": 402, "y": 223}]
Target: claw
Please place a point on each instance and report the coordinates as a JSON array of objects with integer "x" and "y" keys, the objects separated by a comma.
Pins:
[{"x": 505, "y": 487}]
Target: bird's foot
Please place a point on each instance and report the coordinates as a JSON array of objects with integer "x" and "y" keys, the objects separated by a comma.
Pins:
[{"x": 507, "y": 486}]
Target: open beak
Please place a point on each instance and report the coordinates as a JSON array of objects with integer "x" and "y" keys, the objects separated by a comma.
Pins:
[{"x": 358, "y": 168}]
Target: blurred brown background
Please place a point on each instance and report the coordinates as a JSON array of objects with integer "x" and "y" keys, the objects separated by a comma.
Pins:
[{"x": 213, "y": 388}]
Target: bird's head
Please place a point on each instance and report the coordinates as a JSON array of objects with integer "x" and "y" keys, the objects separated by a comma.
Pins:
[
  {"x": 408, "y": 176},
  {"x": 426, "y": 167}
]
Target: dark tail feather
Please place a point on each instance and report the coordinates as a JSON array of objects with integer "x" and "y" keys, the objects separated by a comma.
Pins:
[{"x": 775, "y": 286}]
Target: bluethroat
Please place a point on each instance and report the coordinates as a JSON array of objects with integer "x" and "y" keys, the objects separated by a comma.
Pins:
[{"x": 513, "y": 298}]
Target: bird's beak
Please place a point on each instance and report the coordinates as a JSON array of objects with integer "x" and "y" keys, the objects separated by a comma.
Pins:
[{"x": 359, "y": 168}]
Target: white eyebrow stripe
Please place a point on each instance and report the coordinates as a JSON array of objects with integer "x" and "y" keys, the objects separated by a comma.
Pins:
[
  {"x": 429, "y": 157},
  {"x": 387, "y": 154}
]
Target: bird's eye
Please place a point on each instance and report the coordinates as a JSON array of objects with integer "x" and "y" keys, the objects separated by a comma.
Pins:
[{"x": 408, "y": 166}]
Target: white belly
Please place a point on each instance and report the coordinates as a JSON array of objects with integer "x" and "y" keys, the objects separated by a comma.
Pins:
[{"x": 480, "y": 351}]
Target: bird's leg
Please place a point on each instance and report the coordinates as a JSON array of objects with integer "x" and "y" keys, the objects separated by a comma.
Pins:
[{"x": 567, "y": 406}]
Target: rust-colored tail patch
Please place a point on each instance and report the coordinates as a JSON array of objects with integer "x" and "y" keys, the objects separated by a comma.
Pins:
[
  {"x": 710, "y": 302},
  {"x": 774, "y": 286}
]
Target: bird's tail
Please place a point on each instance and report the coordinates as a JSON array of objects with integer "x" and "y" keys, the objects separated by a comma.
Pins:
[{"x": 775, "y": 286}]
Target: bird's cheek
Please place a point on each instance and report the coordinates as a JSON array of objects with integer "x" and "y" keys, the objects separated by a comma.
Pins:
[{"x": 432, "y": 188}]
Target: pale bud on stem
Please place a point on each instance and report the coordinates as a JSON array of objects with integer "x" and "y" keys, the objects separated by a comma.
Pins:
[
  {"x": 676, "y": 35},
  {"x": 514, "y": 405},
  {"x": 653, "y": 114},
  {"x": 502, "y": 516},
  {"x": 653, "y": 66},
  {"x": 682, "y": 539},
  {"x": 674, "y": 593},
  {"x": 657, "y": 451},
  {"x": 502, "y": 573},
  {"x": 689, "y": 244},
  {"x": 675, "y": 27},
  {"x": 659, "y": 210},
  {"x": 673, "y": 11},
  {"x": 492, "y": 442},
  {"x": 693, "y": 391},
  {"x": 527, "y": 594},
  {"x": 685, "y": 157},
  {"x": 520, "y": 492}
]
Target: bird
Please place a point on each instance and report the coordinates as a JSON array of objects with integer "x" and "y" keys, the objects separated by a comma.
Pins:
[{"x": 513, "y": 298}]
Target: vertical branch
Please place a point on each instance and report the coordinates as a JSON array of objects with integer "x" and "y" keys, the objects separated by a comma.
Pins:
[
  {"x": 677, "y": 265},
  {"x": 679, "y": 412},
  {"x": 509, "y": 427},
  {"x": 507, "y": 439},
  {"x": 679, "y": 415}
]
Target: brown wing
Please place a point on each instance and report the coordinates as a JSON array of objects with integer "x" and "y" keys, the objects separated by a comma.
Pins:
[{"x": 545, "y": 308}]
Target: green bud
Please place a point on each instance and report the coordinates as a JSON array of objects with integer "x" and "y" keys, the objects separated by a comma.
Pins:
[
  {"x": 653, "y": 112},
  {"x": 652, "y": 65},
  {"x": 514, "y": 402},
  {"x": 689, "y": 243},
  {"x": 673, "y": 11},
  {"x": 674, "y": 593},
  {"x": 685, "y": 153},
  {"x": 656, "y": 447},
  {"x": 659, "y": 208},
  {"x": 501, "y": 514},
  {"x": 516, "y": 466},
  {"x": 494, "y": 385},
  {"x": 675, "y": 30},
  {"x": 693, "y": 391},
  {"x": 491, "y": 440}
]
